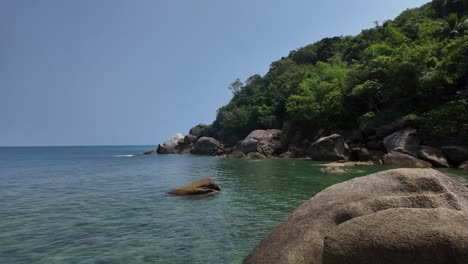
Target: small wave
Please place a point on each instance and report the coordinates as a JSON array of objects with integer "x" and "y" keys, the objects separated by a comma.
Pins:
[{"x": 121, "y": 156}]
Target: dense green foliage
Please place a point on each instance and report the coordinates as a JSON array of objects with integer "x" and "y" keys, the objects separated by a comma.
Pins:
[{"x": 414, "y": 66}]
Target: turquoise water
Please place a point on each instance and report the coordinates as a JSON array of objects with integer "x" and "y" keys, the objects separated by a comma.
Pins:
[{"x": 101, "y": 205}]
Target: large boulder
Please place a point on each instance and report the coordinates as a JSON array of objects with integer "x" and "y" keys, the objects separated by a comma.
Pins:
[
  {"x": 248, "y": 145},
  {"x": 434, "y": 156},
  {"x": 267, "y": 142},
  {"x": 331, "y": 148},
  {"x": 169, "y": 147},
  {"x": 203, "y": 186},
  {"x": 401, "y": 159},
  {"x": 198, "y": 130},
  {"x": 190, "y": 139},
  {"x": 406, "y": 140},
  {"x": 364, "y": 154},
  {"x": 398, "y": 216},
  {"x": 456, "y": 154},
  {"x": 207, "y": 146}
]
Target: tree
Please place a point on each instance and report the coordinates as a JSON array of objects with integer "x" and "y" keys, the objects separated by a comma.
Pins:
[
  {"x": 455, "y": 26},
  {"x": 236, "y": 86}
]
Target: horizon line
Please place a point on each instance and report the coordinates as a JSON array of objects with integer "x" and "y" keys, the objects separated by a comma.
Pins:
[{"x": 108, "y": 145}]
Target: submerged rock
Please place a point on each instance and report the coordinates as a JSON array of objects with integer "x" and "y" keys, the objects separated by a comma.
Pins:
[
  {"x": 203, "y": 186},
  {"x": 150, "y": 152},
  {"x": 334, "y": 169},
  {"x": 256, "y": 155},
  {"x": 331, "y": 148},
  {"x": 237, "y": 154},
  {"x": 398, "y": 216}
]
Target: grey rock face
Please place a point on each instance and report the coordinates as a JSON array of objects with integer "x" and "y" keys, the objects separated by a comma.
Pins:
[
  {"x": 268, "y": 142},
  {"x": 190, "y": 139},
  {"x": 198, "y": 130},
  {"x": 248, "y": 145},
  {"x": 434, "y": 156},
  {"x": 207, "y": 146},
  {"x": 406, "y": 140},
  {"x": 456, "y": 154},
  {"x": 398, "y": 216},
  {"x": 331, "y": 148},
  {"x": 169, "y": 147}
]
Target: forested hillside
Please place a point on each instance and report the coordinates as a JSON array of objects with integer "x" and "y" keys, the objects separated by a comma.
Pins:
[{"x": 412, "y": 69}]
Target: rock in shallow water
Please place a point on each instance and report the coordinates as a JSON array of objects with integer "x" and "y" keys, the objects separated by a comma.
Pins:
[
  {"x": 203, "y": 186},
  {"x": 169, "y": 147},
  {"x": 207, "y": 146},
  {"x": 401, "y": 159},
  {"x": 395, "y": 216},
  {"x": 331, "y": 148},
  {"x": 434, "y": 156}
]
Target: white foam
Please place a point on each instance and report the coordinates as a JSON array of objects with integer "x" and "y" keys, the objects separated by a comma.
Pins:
[{"x": 121, "y": 156}]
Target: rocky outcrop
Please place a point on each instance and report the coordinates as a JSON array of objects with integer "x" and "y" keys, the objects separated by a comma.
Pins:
[
  {"x": 406, "y": 141},
  {"x": 401, "y": 159},
  {"x": 203, "y": 186},
  {"x": 169, "y": 147},
  {"x": 268, "y": 142},
  {"x": 331, "y": 148},
  {"x": 398, "y": 216},
  {"x": 456, "y": 154},
  {"x": 198, "y": 131},
  {"x": 434, "y": 156},
  {"x": 150, "y": 152},
  {"x": 207, "y": 146}
]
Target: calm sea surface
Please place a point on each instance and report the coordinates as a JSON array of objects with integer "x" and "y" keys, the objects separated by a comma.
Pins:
[{"x": 109, "y": 204}]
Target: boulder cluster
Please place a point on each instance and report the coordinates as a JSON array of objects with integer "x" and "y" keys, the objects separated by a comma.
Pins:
[
  {"x": 399, "y": 146},
  {"x": 195, "y": 142}
]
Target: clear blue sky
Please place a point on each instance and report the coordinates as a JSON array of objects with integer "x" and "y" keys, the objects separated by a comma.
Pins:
[{"x": 115, "y": 72}]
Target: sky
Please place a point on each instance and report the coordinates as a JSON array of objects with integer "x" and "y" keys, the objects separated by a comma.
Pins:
[{"x": 135, "y": 72}]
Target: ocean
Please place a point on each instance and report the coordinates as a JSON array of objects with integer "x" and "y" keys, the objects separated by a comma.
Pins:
[{"x": 109, "y": 204}]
